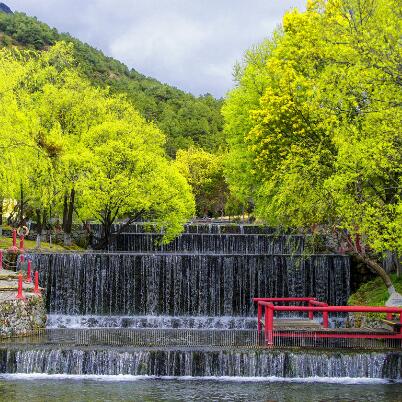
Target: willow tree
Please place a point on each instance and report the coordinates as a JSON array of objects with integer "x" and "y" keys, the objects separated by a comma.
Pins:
[
  {"x": 85, "y": 151},
  {"x": 15, "y": 144},
  {"x": 323, "y": 139},
  {"x": 129, "y": 175}
]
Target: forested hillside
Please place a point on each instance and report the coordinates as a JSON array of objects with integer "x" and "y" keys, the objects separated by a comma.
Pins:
[{"x": 185, "y": 119}]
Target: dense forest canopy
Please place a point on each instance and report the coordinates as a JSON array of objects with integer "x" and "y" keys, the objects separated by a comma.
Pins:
[
  {"x": 314, "y": 124},
  {"x": 185, "y": 119}
]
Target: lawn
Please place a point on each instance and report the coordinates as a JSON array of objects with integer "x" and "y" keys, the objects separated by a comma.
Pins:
[{"x": 6, "y": 242}]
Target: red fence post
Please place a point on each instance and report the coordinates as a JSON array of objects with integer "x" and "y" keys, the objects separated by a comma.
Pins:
[
  {"x": 36, "y": 283},
  {"x": 19, "y": 294},
  {"x": 310, "y": 313},
  {"x": 259, "y": 316},
  {"x": 325, "y": 319},
  {"x": 269, "y": 324},
  {"x": 29, "y": 274},
  {"x": 400, "y": 322},
  {"x": 22, "y": 243},
  {"x": 1, "y": 259}
]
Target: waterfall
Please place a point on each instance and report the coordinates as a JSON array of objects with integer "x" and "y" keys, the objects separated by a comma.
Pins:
[
  {"x": 150, "y": 321},
  {"x": 203, "y": 280},
  {"x": 210, "y": 243},
  {"x": 201, "y": 363},
  {"x": 205, "y": 228},
  {"x": 176, "y": 284}
]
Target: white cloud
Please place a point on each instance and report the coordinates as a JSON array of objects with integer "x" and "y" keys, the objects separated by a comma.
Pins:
[{"x": 192, "y": 44}]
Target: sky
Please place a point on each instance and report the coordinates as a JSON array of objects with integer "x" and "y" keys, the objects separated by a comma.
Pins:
[{"x": 190, "y": 44}]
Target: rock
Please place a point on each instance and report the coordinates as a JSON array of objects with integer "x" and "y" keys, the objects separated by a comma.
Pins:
[
  {"x": 5, "y": 9},
  {"x": 21, "y": 317},
  {"x": 395, "y": 300}
]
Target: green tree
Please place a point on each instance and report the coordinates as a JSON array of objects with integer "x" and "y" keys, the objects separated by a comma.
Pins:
[
  {"x": 83, "y": 149},
  {"x": 204, "y": 172},
  {"x": 323, "y": 139}
]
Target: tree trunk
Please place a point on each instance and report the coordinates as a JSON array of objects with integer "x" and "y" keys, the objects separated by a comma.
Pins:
[
  {"x": 65, "y": 211},
  {"x": 21, "y": 204},
  {"x": 378, "y": 269},
  {"x": 38, "y": 228},
  {"x": 107, "y": 227},
  {"x": 69, "y": 219}
]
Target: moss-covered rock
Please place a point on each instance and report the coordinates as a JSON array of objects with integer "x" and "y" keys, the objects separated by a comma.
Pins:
[{"x": 372, "y": 293}]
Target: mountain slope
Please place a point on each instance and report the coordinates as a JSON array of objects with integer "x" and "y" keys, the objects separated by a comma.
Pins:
[{"x": 185, "y": 119}]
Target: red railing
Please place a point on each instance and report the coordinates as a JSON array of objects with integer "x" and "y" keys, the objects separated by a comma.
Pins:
[{"x": 266, "y": 306}]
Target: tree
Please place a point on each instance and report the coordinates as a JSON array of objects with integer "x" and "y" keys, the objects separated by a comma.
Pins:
[
  {"x": 14, "y": 144},
  {"x": 323, "y": 139},
  {"x": 130, "y": 177},
  {"x": 84, "y": 150},
  {"x": 204, "y": 172},
  {"x": 251, "y": 81}
]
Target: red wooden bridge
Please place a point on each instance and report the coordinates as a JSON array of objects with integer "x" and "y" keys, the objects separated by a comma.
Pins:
[{"x": 276, "y": 329}]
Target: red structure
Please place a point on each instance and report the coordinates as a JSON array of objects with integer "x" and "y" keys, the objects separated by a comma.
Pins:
[
  {"x": 36, "y": 283},
  {"x": 14, "y": 247},
  {"x": 268, "y": 306},
  {"x": 22, "y": 244},
  {"x": 19, "y": 294},
  {"x": 29, "y": 273},
  {"x": 1, "y": 259}
]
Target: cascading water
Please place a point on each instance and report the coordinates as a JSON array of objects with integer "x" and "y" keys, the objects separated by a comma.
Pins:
[
  {"x": 181, "y": 284},
  {"x": 201, "y": 363},
  {"x": 203, "y": 280},
  {"x": 210, "y": 243}
]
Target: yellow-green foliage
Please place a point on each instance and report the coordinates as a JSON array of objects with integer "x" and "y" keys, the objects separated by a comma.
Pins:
[
  {"x": 57, "y": 133},
  {"x": 314, "y": 123},
  {"x": 204, "y": 173},
  {"x": 185, "y": 119}
]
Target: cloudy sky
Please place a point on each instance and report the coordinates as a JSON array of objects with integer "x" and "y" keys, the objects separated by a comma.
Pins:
[{"x": 191, "y": 44}]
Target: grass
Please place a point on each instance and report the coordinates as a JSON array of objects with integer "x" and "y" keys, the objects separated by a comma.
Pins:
[
  {"x": 374, "y": 293},
  {"x": 6, "y": 242}
]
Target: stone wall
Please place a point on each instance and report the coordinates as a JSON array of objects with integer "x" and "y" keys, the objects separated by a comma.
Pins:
[{"x": 20, "y": 317}]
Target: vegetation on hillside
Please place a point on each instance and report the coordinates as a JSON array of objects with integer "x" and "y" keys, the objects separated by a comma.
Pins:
[
  {"x": 374, "y": 293},
  {"x": 313, "y": 126},
  {"x": 185, "y": 119}
]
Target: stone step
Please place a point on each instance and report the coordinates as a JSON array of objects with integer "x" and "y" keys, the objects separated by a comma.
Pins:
[
  {"x": 283, "y": 323},
  {"x": 5, "y": 274},
  {"x": 10, "y": 285}
]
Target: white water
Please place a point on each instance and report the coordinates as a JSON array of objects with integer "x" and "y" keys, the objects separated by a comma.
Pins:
[
  {"x": 116, "y": 378},
  {"x": 185, "y": 322}
]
